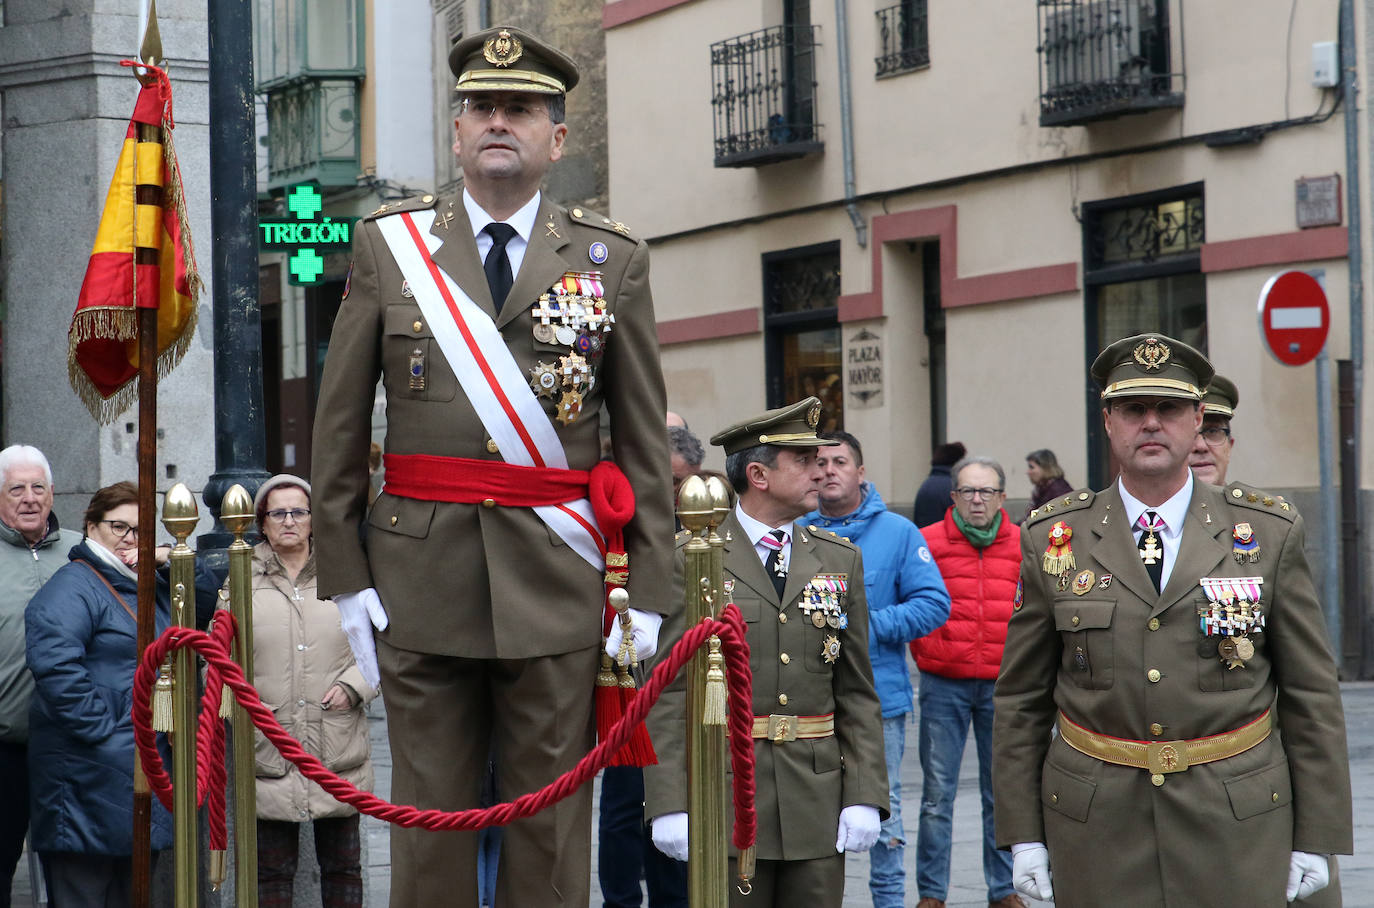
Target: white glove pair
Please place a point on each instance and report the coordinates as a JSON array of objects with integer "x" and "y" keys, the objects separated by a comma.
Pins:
[
  {"x": 358, "y": 613},
  {"x": 858, "y": 830},
  {"x": 1030, "y": 872},
  {"x": 644, "y": 634}
]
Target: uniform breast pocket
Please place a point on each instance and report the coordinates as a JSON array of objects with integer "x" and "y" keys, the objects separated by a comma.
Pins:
[
  {"x": 1085, "y": 629},
  {"x": 415, "y": 367}
]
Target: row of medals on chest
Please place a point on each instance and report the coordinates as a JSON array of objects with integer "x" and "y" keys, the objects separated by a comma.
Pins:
[
  {"x": 822, "y": 600},
  {"x": 1232, "y": 611},
  {"x": 571, "y": 314}
]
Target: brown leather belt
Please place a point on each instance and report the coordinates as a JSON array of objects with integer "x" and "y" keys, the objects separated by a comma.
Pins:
[
  {"x": 780, "y": 729},
  {"x": 1163, "y": 757}
]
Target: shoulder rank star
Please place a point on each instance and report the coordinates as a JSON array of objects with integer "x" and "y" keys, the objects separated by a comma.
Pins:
[
  {"x": 1244, "y": 546},
  {"x": 1059, "y": 553}
]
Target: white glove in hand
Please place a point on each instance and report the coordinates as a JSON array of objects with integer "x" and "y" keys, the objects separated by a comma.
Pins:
[
  {"x": 1030, "y": 870},
  {"x": 1307, "y": 873},
  {"x": 670, "y": 835},
  {"x": 645, "y": 636},
  {"x": 358, "y": 613},
  {"x": 859, "y": 825}
]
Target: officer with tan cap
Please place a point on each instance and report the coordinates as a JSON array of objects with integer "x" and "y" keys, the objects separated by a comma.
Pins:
[
  {"x": 1211, "y": 453},
  {"x": 500, "y": 324},
  {"x": 821, "y": 781},
  {"x": 1170, "y": 631}
]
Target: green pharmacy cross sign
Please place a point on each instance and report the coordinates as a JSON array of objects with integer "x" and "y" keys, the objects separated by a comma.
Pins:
[{"x": 304, "y": 236}]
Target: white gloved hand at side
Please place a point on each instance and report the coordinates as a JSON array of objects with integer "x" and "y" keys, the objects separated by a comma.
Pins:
[
  {"x": 1030, "y": 870},
  {"x": 859, "y": 825},
  {"x": 670, "y": 834},
  {"x": 1307, "y": 873},
  {"x": 358, "y": 613},
  {"x": 645, "y": 636}
]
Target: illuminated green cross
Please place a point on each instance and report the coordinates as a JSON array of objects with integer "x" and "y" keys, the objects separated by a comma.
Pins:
[
  {"x": 304, "y": 202},
  {"x": 306, "y": 265}
]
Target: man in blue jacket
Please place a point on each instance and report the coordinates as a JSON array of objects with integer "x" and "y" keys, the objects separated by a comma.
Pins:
[{"x": 906, "y": 599}]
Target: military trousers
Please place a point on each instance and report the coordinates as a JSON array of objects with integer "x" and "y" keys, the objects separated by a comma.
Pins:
[
  {"x": 817, "y": 883},
  {"x": 445, "y": 716}
]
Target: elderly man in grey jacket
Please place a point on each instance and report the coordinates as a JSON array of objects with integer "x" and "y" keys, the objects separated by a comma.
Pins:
[{"x": 34, "y": 547}]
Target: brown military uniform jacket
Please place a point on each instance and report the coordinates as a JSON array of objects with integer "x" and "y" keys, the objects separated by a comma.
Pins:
[
  {"x": 801, "y": 785},
  {"x": 460, "y": 579},
  {"x": 1127, "y": 662}
]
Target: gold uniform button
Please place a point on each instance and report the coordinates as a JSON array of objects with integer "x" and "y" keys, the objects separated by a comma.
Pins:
[
  {"x": 427, "y": 199},
  {"x": 1154, "y": 675},
  {"x": 1274, "y": 797},
  {"x": 1082, "y": 496},
  {"x": 1153, "y": 624},
  {"x": 1157, "y": 779},
  {"x": 393, "y": 520},
  {"x": 488, "y": 502},
  {"x": 784, "y": 658},
  {"x": 782, "y": 699},
  {"x": 1074, "y": 621},
  {"x": 1054, "y": 798},
  {"x": 1156, "y": 729},
  {"x": 577, "y": 212},
  {"x": 416, "y": 326},
  {"x": 1236, "y": 493},
  {"x": 782, "y": 617},
  {"x": 491, "y": 446}
]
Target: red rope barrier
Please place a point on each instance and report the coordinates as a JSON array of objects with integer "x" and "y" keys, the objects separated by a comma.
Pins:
[{"x": 214, "y": 648}]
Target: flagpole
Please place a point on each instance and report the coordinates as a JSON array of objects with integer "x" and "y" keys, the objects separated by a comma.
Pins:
[{"x": 150, "y": 51}]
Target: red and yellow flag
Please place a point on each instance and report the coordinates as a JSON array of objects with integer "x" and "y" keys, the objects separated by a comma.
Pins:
[{"x": 142, "y": 258}]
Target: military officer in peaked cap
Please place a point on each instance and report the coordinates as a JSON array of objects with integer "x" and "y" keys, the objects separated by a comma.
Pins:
[
  {"x": 821, "y": 782},
  {"x": 500, "y": 323},
  {"x": 1211, "y": 453},
  {"x": 1171, "y": 632}
]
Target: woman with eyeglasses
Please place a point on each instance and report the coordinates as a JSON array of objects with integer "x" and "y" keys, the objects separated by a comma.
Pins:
[
  {"x": 305, "y": 672},
  {"x": 81, "y": 644}
]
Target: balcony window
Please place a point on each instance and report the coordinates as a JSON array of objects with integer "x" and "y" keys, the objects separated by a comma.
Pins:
[
  {"x": 802, "y": 353},
  {"x": 309, "y": 63},
  {"x": 764, "y": 96},
  {"x": 903, "y": 41},
  {"x": 1104, "y": 58}
]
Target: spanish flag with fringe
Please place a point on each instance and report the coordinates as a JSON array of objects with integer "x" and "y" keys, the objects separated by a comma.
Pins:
[{"x": 142, "y": 258}]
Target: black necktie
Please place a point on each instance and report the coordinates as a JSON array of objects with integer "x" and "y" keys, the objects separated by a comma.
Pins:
[
  {"x": 776, "y": 567},
  {"x": 497, "y": 265},
  {"x": 1151, "y": 546}
]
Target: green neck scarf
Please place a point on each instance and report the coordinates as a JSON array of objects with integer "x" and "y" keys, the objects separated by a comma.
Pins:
[{"x": 981, "y": 538}]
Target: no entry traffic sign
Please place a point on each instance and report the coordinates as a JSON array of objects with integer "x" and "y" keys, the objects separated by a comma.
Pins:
[{"x": 1294, "y": 317}]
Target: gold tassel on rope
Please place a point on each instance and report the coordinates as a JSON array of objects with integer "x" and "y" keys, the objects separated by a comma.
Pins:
[
  {"x": 713, "y": 712},
  {"x": 162, "y": 699}
]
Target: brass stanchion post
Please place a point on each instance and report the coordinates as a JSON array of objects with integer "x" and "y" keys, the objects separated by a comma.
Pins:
[
  {"x": 179, "y": 516},
  {"x": 236, "y": 513},
  {"x": 708, "y": 872}
]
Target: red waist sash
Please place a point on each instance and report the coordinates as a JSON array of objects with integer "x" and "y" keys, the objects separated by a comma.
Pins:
[{"x": 463, "y": 480}]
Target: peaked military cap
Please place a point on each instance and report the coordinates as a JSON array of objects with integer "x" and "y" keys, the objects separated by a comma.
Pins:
[
  {"x": 506, "y": 58},
  {"x": 792, "y": 426},
  {"x": 1151, "y": 365},
  {"x": 1221, "y": 397}
]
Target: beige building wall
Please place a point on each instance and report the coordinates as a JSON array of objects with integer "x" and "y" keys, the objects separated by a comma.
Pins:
[{"x": 965, "y": 133}]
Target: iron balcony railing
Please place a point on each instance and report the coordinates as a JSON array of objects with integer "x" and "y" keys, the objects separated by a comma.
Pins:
[
  {"x": 1104, "y": 58},
  {"x": 764, "y": 96},
  {"x": 903, "y": 42},
  {"x": 313, "y": 133}
]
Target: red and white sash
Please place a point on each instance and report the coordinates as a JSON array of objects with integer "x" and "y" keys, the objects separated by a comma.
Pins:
[{"x": 488, "y": 374}]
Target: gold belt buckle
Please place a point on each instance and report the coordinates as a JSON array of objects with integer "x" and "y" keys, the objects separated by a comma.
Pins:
[
  {"x": 1166, "y": 756},
  {"x": 782, "y": 728}
]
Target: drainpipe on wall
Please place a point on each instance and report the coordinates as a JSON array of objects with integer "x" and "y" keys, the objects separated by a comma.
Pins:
[
  {"x": 847, "y": 124},
  {"x": 1355, "y": 260}
]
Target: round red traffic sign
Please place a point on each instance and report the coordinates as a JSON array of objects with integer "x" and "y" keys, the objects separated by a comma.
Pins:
[{"x": 1294, "y": 317}]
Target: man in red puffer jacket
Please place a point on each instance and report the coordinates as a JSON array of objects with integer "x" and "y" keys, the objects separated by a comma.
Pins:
[{"x": 977, "y": 548}]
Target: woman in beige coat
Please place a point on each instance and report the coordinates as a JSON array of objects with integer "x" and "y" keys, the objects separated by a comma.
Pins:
[{"x": 305, "y": 672}]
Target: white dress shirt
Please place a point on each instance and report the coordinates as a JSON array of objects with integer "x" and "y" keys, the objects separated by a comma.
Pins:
[
  {"x": 1172, "y": 512},
  {"x": 756, "y": 530},
  {"x": 522, "y": 221}
]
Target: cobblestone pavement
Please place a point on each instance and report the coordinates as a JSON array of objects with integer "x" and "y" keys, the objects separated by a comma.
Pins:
[{"x": 967, "y": 889}]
